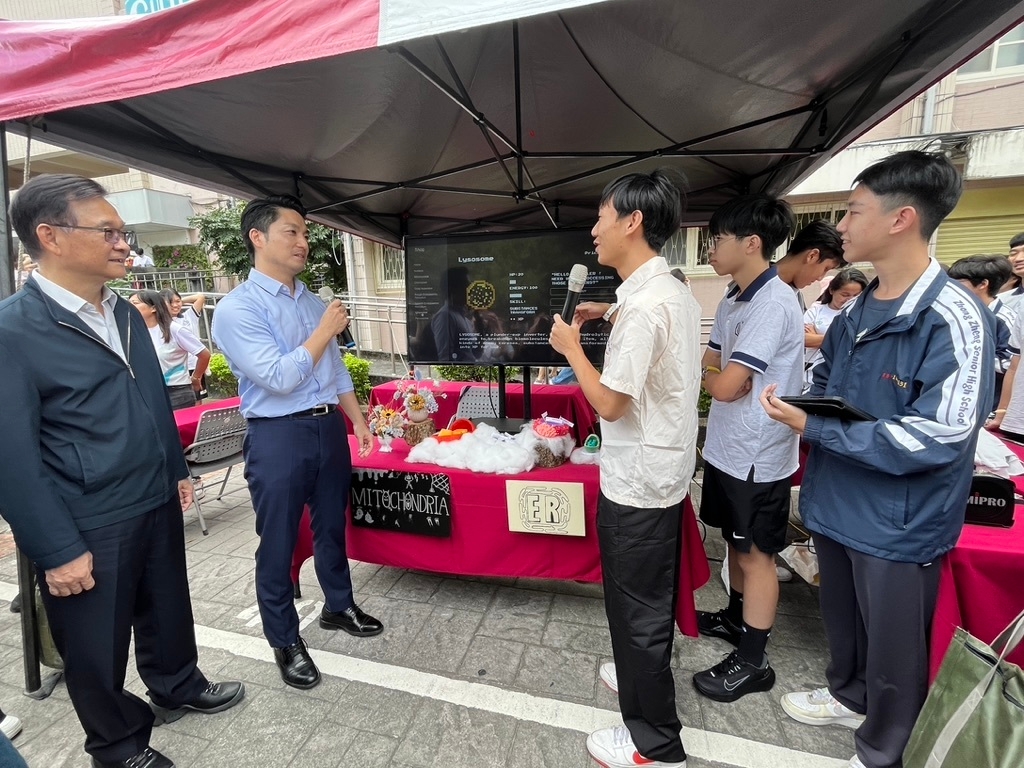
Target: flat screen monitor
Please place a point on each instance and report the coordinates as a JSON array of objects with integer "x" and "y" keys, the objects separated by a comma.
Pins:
[{"x": 489, "y": 299}]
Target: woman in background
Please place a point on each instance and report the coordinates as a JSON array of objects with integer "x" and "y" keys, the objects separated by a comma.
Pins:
[
  {"x": 845, "y": 286},
  {"x": 187, "y": 311},
  {"x": 173, "y": 343}
]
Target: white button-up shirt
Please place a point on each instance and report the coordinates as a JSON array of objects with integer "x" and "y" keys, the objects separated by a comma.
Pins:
[
  {"x": 653, "y": 355},
  {"x": 103, "y": 325}
]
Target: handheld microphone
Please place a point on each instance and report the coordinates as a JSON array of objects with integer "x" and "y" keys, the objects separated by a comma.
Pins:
[
  {"x": 577, "y": 279},
  {"x": 327, "y": 296}
]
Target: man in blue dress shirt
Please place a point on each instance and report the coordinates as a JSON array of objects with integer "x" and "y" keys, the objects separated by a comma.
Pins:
[{"x": 280, "y": 342}]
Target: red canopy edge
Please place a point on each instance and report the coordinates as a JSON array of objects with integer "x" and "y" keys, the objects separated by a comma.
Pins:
[{"x": 56, "y": 65}]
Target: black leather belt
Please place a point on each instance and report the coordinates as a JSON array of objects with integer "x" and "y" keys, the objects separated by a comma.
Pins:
[{"x": 320, "y": 410}]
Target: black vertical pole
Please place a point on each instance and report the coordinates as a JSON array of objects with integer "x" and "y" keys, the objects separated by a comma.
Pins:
[
  {"x": 527, "y": 404},
  {"x": 8, "y": 262},
  {"x": 502, "y": 410},
  {"x": 26, "y": 575}
]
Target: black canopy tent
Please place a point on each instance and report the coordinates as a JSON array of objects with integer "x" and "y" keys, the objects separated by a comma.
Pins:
[{"x": 511, "y": 125}]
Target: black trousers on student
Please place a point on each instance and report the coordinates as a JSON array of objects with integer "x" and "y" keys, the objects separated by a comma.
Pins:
[
  {"x": 878, "y": 617},
  {"x": 640, "y": 562},
  {"x": 290, "y": 462},
  {"x": 141, "y": 584}
]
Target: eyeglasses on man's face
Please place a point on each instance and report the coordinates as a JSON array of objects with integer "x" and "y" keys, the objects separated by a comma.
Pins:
[{"x": 110, "y": 235}]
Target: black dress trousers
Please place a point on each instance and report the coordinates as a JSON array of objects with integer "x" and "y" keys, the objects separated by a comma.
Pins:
[
  {"x": 640, "y": 563},
  {"x": 141, "y": 585}
]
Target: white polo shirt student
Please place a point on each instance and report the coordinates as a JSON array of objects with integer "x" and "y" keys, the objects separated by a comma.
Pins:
[{"x": 741, "y": 437}]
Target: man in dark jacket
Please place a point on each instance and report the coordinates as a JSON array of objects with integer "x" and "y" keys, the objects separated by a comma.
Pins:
[
  {"x": 885, "y": 498},
  {"x": 92, "y": 477}
]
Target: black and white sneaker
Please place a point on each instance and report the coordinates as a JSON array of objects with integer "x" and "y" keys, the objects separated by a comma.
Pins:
[
  {"x": 718, "y": 624},
  {"x": 733, "y": 678}
]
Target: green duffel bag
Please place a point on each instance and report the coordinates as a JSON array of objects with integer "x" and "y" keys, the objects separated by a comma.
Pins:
[{"x": 974, "y": 714}]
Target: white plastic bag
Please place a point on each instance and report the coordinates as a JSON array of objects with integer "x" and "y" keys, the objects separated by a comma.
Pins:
[{"x": 801, "y": 557}]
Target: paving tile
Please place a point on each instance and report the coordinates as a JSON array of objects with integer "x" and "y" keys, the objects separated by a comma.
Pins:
[
  {"x": 383, "y": 580},
  {"x": 577, "y": 637},
  {"x": 517, "y": 614},
  {"x": 464, "y": 595},
  {"x": 578, "y": 588},
  {"x": 537, "y": 746},
  {"x": 558, "y": 673},
  {"x": 579, "y": 610},
  {"x": 492, "y": 660},
  {"x": 457, "y": 737},
  {"x": 269, "y": 731},
  {"x": 325, "y": 748},
  {"x": 798, "y": 632},
  {"x": 370, "y": 749},
  {"x": 216, "y": 573},
  {"x": 443, "y": 641},
  {"x": 415, "y": 586},
  {"x": 375, "y": 710},
  {"x": 752, "y": 717}
]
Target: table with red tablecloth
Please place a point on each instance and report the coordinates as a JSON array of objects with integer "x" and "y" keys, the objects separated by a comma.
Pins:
[
  {"x": 982, "y": 584},
  {"x": 562, "y": 400},
  {"x": 481, "y": 543}
]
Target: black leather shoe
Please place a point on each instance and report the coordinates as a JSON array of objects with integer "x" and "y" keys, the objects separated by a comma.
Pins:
[
  {"x": 147, "y": 758},
  {"x": 216, "y": 697},
  {"x": 16, "y": 603},
  {"x": 296, "y": 665},
  {"x": 352, "y": 620}
]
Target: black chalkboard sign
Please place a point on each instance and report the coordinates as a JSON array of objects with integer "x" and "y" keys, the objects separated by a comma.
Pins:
[{"x": 410, "y": 502}]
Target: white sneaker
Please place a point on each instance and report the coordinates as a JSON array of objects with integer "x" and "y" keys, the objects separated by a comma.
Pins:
[
  {"x": 613, "y": 748},
  {"x": 609, "y": 676},
  {"x": 11, "y": 726},
  {"x": 783, "y": 574},
  {"x": 819, "y": 707},
  {"x": 856, "y": 763}
]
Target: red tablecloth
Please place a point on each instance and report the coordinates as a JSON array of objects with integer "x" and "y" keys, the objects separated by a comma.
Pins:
[
  {"x": 482, "y": 545},
  {"x": 562, "y": 400},
  {"x": 187, "y": 419},
  {"x": 982, "y": 583}
]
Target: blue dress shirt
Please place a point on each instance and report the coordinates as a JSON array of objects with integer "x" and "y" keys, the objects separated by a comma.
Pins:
[{"x": 260, "y": 327}]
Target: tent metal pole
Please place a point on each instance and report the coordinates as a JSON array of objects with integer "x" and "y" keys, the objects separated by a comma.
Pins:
[
  {"x": 519, "y": 105},
  {"x": 8, "y": 260},
  {"x": 436, "y": 81}
]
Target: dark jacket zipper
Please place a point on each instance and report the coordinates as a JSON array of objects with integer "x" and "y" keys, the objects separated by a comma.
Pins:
[{"x": 127, "y": 352}]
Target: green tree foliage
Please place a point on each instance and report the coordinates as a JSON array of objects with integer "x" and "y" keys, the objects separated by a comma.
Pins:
[
  {"x": 220, "y": 233},
  {"x": 180, "y": 257}
]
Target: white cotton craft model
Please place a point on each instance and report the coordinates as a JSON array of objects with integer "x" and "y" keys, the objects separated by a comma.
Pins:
[{"x": 484, "y": 450}]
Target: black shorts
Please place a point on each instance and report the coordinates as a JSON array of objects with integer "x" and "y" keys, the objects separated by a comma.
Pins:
[{"x": 747, "y": 512}]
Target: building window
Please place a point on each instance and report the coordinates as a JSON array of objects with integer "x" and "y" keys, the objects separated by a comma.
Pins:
[
  {"x": 1003, "y": 57},
  {"x": 674, "y": 250},
  {"x": 390, "y": 269}
]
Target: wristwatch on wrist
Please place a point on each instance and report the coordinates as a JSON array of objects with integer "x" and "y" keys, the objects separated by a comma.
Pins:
[{"x": 612, "y": 309}]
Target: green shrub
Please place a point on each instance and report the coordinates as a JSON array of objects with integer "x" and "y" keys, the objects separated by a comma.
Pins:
[
  {"x": 359, "y": 370},
  {"x": 704, "y": 402},
  {"x": 474, "y": 372},
  {"x": 220, "y": 381}
]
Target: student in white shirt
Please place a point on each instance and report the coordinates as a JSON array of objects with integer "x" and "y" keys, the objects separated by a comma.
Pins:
[
  {"x": 845, "y": 286},
  {"x": 173, "y": 343},
  {"x": 188, "y": 311},
  {"x": 646, "y": 397}
]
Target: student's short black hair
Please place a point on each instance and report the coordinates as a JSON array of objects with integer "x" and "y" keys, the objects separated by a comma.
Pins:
[
  {"x": 1017, "y": 240},
  {"x": 47, "y": 199},
  {"x": 769, "y": 218},
  {"x": 657, "y": 198},
  {"x": 928, "y": 181},
  {"x": 262, "y": 212},
  {"x": 992, "y": 267},
  {"x": 824, "y": 236}
]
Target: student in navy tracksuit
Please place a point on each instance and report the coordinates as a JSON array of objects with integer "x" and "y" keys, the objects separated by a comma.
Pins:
[{"x": 885, "y": 499}]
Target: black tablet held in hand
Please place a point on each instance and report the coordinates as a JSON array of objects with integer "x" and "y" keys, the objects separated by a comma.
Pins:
[{"x": 829, "y": 406}]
